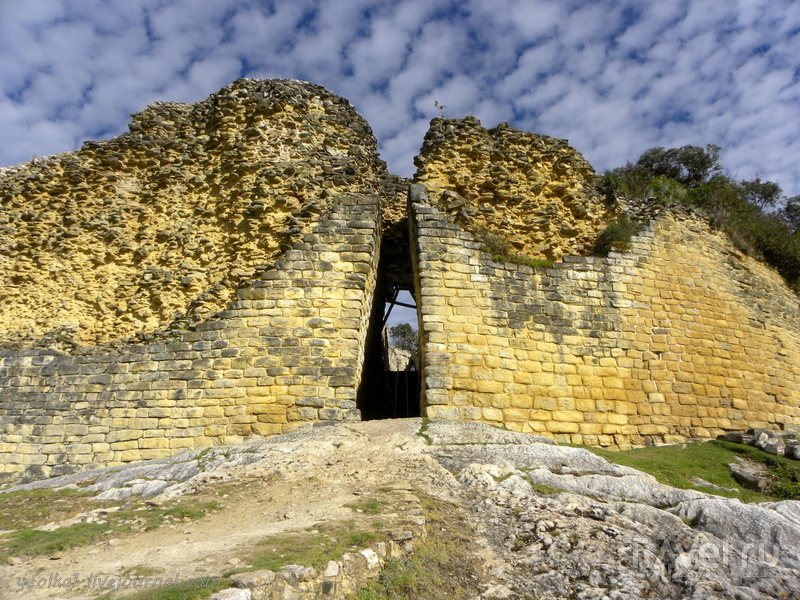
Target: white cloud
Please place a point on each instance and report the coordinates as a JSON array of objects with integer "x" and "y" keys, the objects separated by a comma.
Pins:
[
  {"x": 382, "y": 53},
  {"x": 459, "y": 94},
  {"x": 613, "y": 76}
]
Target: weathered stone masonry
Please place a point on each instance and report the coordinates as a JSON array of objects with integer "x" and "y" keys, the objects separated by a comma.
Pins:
[
  {"x": 163, "y": 223},
  {"x": 288, "y": 351},
  {"x": 681, "y": 337}
]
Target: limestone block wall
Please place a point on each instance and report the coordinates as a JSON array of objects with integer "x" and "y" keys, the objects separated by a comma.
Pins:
[
  {"x": 286, "y": 353},
  {"x": 162, "y": 224},
  {"x": 679, "y": 338}
]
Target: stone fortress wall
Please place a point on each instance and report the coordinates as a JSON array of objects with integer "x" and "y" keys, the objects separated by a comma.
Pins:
[
  {"x": 288, "y": 350},
  {"x": 252, "y": 221},
  {"x": 160, "y": 225},
  {"x": 680, "y": 337}
]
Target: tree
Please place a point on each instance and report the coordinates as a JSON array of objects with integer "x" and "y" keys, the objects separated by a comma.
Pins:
[
  {"x": 762, "y": 193},
  {"x": 791, "y": 214},
  {"x": 403, "y": 336},
  {"x": 721, "y": 192},
  {"x": 690, "y": 165},
  {"x": 693, "y": 176}
]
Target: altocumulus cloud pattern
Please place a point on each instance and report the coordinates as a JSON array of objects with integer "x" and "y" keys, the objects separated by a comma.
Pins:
[{"x": 615, "y": 77}]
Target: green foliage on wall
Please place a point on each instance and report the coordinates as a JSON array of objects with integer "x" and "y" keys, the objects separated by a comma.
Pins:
[
  {"x": 759, "y": 220},
  {"x": 616, "y": 236},
  {"x": 501, "y": 251}
]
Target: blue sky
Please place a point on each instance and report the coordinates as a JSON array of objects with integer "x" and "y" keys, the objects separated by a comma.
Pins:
[{"x": 615, "y": 77}]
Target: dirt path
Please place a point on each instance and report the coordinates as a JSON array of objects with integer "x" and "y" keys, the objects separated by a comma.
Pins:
[
  {"x": 529, "y": 519},
  {"x": 294, "y": 491}
]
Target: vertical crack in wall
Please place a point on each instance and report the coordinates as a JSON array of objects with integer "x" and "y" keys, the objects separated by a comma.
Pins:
[{"x": 385, "y": 392}]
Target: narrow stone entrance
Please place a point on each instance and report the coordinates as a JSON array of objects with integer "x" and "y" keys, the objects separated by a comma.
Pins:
[
  {"x": 401, "y": 355},
  {"x": 390, "y": 384}
]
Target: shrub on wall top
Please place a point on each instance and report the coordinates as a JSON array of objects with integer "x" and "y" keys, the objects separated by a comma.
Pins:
[{"x": 616, "y": 236}]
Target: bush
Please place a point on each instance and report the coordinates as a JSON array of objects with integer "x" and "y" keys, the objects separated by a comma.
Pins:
[
  {"x": 790, "y": 214},
  {"x": 501, "y": 251},
  {"x": 635, "y": 183},
  {"x": 765, "y": 236},
  {"x": 630, "y": 181},
  {"x": 616, "y": 236},
  {"x": 777, "y": 246},
  {"x": 494, "y": 244},
  {"x": 693, "y": 176},
  {"x": 666, "y": 190},
  {"x": 788, "y": 484},
  {"x": 719, "y": 192}
]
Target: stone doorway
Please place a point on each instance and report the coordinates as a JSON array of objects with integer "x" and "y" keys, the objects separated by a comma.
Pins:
[
  {"x": 390, "y": 381},
  {"x": 390, "y": 385},
  {"x": 401, "y": 355}
]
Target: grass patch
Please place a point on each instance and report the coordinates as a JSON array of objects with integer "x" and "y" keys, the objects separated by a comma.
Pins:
[
  {"x": 370, "y": 505},
  {"x": 676, "y": 465},
  {"x": 34, "y": 508},
  {"x": 146, "y": 518},
  {"x": 309, "y": 548},
  {"x": 33, "y": 542},
  {"x": 438, "y": 569},
  {"x": 142, "y": 571},
  {"x": 788, "y": 484},
  {"x": 205, "y": 587},
  {"x": 519, "y": 259},
  {"x": 423, "y": 428},
  {"x": 134, "y": 516},
  {"x": 501, "y": 251}
]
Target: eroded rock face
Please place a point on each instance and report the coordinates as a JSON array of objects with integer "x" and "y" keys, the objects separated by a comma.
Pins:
[
  {"x": 164, "y": 222},
  {"x": 565, "y": 545},
  {"x": 563, "y": 523},
  {"x": 533, "y": 190}
]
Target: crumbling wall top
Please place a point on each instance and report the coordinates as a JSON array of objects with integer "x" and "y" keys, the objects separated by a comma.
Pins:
[
  {"x": 535, "y": 191},
  {"x": 162, "y": 224}
]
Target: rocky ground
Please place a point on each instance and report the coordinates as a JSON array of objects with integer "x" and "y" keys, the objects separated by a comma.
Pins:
[{"x": 546, "y": 521}]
